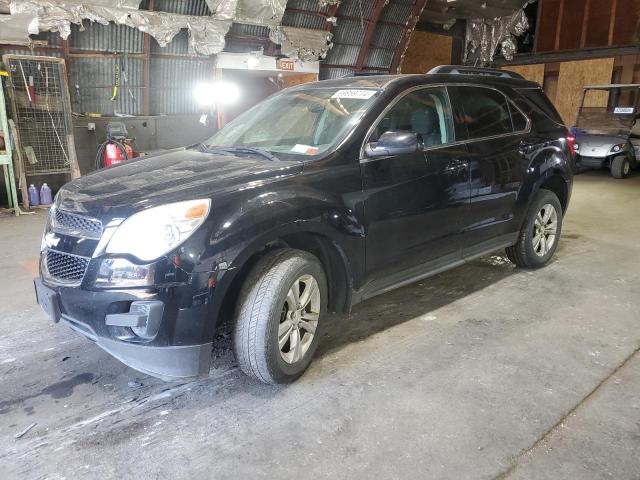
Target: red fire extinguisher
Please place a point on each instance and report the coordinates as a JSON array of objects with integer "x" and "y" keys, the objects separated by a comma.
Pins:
[
  {"x": 116, "y": 152},
  {"x": 117, "y": 147}
]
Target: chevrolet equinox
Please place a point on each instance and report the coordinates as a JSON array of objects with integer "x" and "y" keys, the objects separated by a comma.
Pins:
[{"x": 321, "y": 196}]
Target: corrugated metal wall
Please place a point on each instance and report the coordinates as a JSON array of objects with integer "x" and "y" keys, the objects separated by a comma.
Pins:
[
  {"x": 172, "y": 83},
  {"x": 349, "y": 33},
  {"x": 94, "y": 49}
]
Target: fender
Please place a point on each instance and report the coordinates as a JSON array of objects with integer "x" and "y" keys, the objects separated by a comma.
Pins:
[
  {"x": 238, "y": 236},
  {"x": 548, "y": 161}
]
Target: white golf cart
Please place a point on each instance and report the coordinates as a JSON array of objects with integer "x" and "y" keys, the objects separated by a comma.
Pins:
[{"x": 609, "y": 137}]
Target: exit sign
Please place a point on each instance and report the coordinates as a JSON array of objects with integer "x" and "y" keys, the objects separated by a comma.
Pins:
[{"x": 284, "y": 64}]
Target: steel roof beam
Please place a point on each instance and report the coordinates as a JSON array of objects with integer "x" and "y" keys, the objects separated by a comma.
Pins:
[
  {"x": 368, "y": 35},
  {"x": 416, "y": 11}
]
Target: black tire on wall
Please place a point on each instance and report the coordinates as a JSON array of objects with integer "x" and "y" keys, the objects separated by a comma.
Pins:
[{"x": 266, "y": 304}]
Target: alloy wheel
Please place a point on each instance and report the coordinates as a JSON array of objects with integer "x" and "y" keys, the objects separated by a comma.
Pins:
[
  {"x": 545, "y": 229},
  {"x": 299, "y": 319}
]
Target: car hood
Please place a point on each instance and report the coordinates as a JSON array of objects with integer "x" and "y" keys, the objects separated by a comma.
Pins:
[
  {"x": 168, "y": 177},
  {"x": 592, "y": 145}
]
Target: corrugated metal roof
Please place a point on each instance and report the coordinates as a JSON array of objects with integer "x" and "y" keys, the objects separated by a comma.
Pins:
[
  {"x": 356, "y": 8},
  {"x": 172, "y": 79},
  {"x": 342, "y": 54},
  {"x": 106, "y": 38},
  {"x": 387, "y": 36},
  {"x": 378, "y": 58},
  {"x": 397, "y": 12},
  {"x": 349, "y": 32},
  {"x": 309, "y": 5},
  {"x": 183, "y": 7},
  {"x": 331, "y": 72},
  {"x": 303, "y": 20},
  {"x": 249, "y": 30}
]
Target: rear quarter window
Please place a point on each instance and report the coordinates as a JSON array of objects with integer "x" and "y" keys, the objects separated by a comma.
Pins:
[
  {"x": 540, "y": 100},
  {"x": 486, "y": 112}
]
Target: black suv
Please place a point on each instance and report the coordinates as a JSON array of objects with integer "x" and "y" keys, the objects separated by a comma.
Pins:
[{"x": 318, "y": 198}]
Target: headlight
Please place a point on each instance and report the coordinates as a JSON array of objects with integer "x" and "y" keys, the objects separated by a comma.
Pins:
[
  {"x": 151, "y": 233},
  {"x": 576, "y": 147},
  {"x": 120, "y": 272},
  {"x": 617, "y": 148}
]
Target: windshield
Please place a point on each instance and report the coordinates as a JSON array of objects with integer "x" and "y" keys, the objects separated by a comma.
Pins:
[
  {"x": 611, "y": 111},
  {"x": 301, "y": 122}
]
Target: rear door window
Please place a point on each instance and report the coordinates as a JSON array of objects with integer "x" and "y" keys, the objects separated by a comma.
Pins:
[
  {"x": 486, "y": 112},
  {"x": 540, "y": 100}
]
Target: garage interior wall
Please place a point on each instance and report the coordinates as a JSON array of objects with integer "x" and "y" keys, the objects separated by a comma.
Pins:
[
  {"x": 575, "y": 75},
  {"x": 426, "y": 50},
  {"x": 534, "y": 73},
  {"x": 575, "y": 24},
  {"x": 570, "y": 78}
]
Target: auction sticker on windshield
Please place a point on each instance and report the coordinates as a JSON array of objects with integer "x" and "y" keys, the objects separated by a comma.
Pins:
[
  {"x": 306, "y": 149},
  {"x": 354, "y": 93}
]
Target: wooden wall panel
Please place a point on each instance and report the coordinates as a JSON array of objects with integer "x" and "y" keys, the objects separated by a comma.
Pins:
[
  {"x": 573, "y": 77},
  {"x": 426, "y": 50},
  {"x": 571, "y": 25},
  {"x": 627, "y": 23},
  {"x": 546, "y": 40},
  {"x": 534, "y": 72},
  {"x": 598, "y": 25},
  {"x": 575, "y": 24}
]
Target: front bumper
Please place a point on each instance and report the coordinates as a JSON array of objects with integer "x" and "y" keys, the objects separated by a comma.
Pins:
[
  {"x": 593, "y": 162},
  {"x": 174, "y": 352}
]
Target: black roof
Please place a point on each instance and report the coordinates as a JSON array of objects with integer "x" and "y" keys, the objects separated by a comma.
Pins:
[{"x": 383, "y": 81}]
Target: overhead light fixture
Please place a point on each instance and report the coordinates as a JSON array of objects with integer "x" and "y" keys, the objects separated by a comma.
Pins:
[{"x": 216, "y": 93}]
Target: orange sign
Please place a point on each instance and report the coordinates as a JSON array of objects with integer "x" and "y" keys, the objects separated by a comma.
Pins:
[{"x": 284, "y": 64}]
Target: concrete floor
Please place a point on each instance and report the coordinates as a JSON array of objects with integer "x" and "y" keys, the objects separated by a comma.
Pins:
[{"x": 482, "y": 372}]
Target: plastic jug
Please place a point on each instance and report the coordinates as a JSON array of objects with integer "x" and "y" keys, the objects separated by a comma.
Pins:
[
  {"x": 45, "y": 195},
  {"x": 34, "y": 196}
]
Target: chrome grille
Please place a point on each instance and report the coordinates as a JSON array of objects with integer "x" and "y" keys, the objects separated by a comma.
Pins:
[
  {"x": 76, "y": 225},
  {"x": 65, "y": 267}
]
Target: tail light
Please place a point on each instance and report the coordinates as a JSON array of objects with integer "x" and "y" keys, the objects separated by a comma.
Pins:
[{"x": 571, "y": 142}]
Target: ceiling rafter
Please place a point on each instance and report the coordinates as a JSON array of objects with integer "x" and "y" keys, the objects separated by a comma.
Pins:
[
  {"x": 333, "y": 9},
  {"x": 368, "y": 35},
  {"x": 416, "y": 12}
]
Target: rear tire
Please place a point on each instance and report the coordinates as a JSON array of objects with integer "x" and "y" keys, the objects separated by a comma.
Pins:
[
  {"x": 275, "y": 332},
  {"x": 540, "y": 234},
  {"x": 620, "y": 167}
]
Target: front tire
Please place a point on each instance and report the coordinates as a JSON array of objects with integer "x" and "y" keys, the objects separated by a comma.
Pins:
[
  {"x": 540, "y": 234},
  {"x": 279, "y": 316},
  {"x": 620, "y": 167}
]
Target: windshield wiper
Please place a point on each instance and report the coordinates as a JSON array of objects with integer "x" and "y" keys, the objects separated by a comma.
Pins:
[{"x": 230, "y": 150}]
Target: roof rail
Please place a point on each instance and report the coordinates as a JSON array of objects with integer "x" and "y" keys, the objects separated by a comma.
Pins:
[{"x": 464, "y": 70}]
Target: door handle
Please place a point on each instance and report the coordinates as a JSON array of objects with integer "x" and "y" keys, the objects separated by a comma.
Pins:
[
  {"x": 525, "y": 147},
  {"x": 455, "y": 166}
]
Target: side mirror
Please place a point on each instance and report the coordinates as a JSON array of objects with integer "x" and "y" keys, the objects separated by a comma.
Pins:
[{"x": 394, "y": 143}]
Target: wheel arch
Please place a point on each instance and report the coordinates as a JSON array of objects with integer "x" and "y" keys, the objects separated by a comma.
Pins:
[
  {"x": 557, "y": 184},
  {"x": 331, "y": 256}
]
